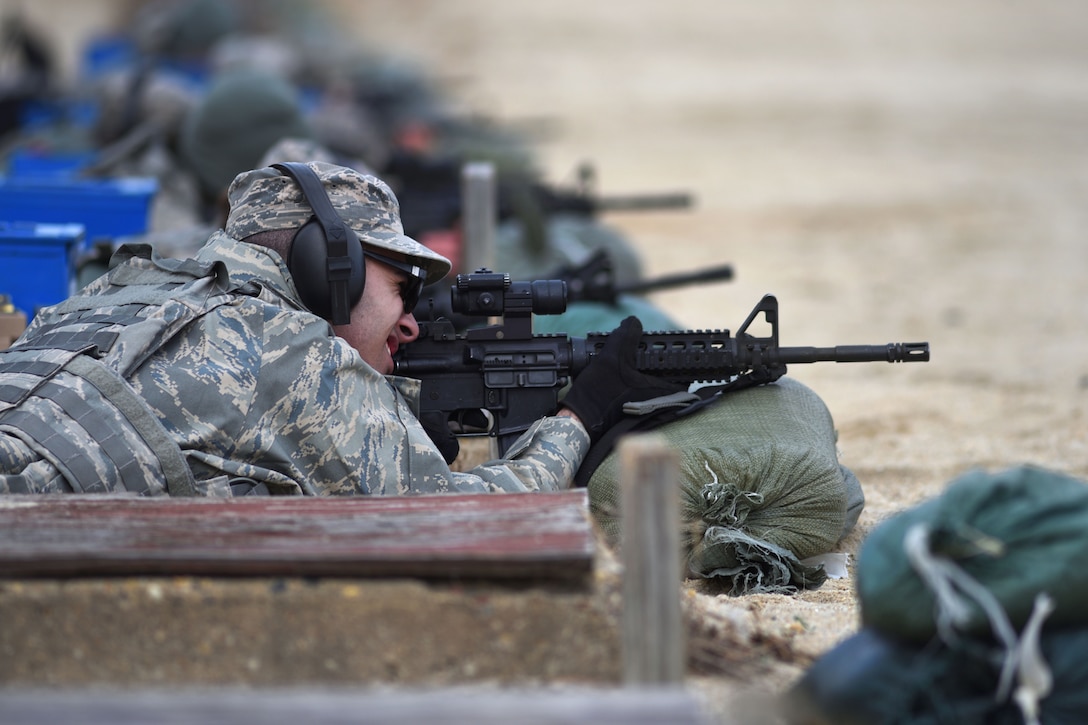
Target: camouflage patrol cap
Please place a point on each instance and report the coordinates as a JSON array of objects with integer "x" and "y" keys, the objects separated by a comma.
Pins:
[
  {"x": 294, "y": 148},
  {"x": 264, "y": 200}
]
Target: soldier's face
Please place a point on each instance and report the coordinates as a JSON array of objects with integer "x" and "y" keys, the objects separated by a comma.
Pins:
[{"x": 379, "y": 325}]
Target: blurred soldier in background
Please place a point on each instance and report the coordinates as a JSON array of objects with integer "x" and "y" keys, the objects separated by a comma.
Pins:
[
  {"x": 229, "y": 129},
  {"x": 209, "y": 87},
  {"x": 27, "y": 69}
]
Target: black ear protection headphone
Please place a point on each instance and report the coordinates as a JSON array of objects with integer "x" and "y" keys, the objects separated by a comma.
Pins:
[{"x": 326, "y": 258}]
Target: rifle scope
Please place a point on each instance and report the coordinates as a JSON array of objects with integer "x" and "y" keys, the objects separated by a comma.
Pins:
[{"x": 487, "y": 293}]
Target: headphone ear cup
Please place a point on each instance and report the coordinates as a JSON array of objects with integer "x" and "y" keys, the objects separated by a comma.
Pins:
[{"x": 308, "y": 262}]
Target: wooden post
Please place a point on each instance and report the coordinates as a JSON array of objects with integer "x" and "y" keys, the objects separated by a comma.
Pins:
[
  {"x": 480, "y": 204},
  {"x": 653, "y": 634}
]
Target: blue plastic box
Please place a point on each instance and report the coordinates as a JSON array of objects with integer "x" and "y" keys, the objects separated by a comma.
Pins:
[
  {"x": 31, "y": 163},
  {"x": 38, "y": 263},
  {"x": 108, "y": 209}
]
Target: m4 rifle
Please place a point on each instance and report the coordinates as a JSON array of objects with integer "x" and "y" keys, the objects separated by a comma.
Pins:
[
  {"x": 517, "y": 376},
  {"x": 430, "y": 194}
]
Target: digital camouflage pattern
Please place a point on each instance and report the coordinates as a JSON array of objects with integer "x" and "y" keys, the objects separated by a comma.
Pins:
[
  {"x": 294, "y": 148},
  {"x": 250, "y": 387},
  {"x": 265, "y": 200}
]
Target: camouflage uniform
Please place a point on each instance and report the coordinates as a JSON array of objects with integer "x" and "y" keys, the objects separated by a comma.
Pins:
[{"x": 240, "y": 383}]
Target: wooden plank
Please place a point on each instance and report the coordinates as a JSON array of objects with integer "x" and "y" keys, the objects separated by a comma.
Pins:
[
  {"x": 653, "y": 630},
  {"x": 323, "y": 707},
  {"x": 517, "y": 536}
]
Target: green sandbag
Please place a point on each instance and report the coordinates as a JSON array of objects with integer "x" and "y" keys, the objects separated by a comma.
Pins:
[
  {"x": 761, "y": 488},
  {"x": 1016, "y": 533}
]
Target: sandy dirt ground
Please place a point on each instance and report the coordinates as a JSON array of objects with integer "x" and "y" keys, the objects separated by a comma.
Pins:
[{"x": 892, "y": 171}]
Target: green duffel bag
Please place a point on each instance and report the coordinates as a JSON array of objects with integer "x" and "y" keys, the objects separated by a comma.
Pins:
[
  {"x": 761, "y": 488},
  {"x": 872, "y": 678},
  {"x": 988, "y": 544}
]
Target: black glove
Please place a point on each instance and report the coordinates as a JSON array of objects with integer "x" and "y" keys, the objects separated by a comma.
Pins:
[
  {"x": 599, "y": 393},
  {"x": 438, "y": 430}
]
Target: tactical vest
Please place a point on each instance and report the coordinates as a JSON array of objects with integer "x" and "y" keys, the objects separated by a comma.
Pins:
[{"x": 64, "y": 391}]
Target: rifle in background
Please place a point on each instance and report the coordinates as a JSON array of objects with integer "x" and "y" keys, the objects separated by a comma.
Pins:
[{"x": 591, "y": 281}]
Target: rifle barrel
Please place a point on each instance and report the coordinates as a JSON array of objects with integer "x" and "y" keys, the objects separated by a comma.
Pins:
[
  {"x": 712, "y": 274},
  {"x": 714, "y": 354},
  {"x": 644, "y": 202},
  {"x": 892, "y": 352}
]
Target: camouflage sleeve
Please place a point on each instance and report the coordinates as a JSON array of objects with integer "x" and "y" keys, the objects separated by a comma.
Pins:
[
  {"x": 380, "y": 436},
  {"x": 545, "y": 458},
  {"x": 258, "y": 392}
]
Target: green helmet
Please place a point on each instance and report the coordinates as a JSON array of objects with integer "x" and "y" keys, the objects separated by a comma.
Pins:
[{"x": 244, "y": 113}]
